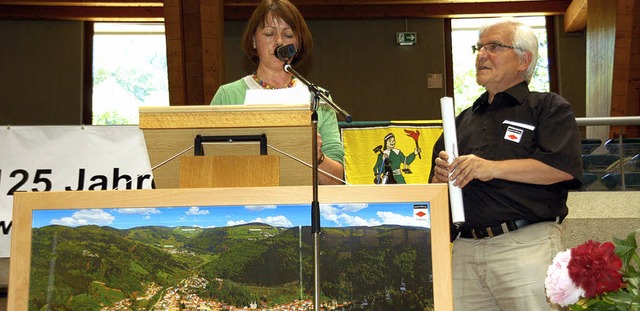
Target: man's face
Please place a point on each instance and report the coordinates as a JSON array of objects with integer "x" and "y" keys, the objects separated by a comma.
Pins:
[{"x": 499, "y": 68}]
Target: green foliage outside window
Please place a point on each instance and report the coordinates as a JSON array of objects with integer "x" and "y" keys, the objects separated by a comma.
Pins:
[
  {"x": 129, "y": 71},
  {"x": 465, "y": 34}
]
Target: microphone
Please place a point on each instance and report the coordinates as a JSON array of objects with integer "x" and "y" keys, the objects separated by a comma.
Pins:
[{"x": 285, "y": 52}]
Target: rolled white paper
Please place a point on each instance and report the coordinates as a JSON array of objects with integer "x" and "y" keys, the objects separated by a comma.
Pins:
[{"x": 451, "y": 147}]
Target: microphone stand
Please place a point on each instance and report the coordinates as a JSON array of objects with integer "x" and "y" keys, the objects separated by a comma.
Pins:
[{"x": 315, "y": 204}]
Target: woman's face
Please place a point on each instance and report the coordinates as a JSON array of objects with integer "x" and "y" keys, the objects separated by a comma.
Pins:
[{"x": 275, "y": 33}]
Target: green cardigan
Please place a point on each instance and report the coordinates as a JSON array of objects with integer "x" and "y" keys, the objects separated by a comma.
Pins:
[{"x": 234, "y": 93}]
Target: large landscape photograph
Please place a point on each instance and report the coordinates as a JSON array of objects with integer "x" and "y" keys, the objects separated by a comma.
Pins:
[{"x": 372, "y": 257}]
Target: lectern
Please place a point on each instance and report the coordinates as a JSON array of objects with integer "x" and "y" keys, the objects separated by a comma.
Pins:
[{"x": 170, "y": 131}]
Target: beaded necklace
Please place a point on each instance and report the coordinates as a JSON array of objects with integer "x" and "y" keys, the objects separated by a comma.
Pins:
[{"x": 264, "y": 85}]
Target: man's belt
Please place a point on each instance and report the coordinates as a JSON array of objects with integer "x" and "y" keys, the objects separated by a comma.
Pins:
[{"x": 507, "y": 226}]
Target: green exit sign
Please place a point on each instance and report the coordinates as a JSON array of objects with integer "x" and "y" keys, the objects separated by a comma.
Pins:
[{"x": 406, "y": 38}]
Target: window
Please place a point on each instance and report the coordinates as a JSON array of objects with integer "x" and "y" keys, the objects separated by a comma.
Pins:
[
  {"x": 129, "y": 71},
  {"x": 464, "y": 33}
]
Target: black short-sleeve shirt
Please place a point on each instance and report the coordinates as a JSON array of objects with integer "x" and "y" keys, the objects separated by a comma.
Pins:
[{"x": 518, "y": 124}]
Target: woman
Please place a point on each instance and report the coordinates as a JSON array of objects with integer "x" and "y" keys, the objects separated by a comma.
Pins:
[{"x": 277, "y": 23}]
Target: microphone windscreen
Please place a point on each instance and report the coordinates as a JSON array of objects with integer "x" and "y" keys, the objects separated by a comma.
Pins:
[{"x": 285, "y": 52}]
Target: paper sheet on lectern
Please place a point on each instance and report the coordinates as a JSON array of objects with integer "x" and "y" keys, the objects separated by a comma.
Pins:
[{"x": 287, "y": 96}]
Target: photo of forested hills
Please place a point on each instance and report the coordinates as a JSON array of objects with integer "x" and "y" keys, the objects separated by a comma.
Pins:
[{"x": 253, "y": 262}]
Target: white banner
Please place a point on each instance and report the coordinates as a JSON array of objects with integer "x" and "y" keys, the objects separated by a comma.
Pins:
[{"x": 69, "y": 158}]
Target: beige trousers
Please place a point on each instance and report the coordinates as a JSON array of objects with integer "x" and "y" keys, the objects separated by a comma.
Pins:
[{"x": 506, "y": 272}]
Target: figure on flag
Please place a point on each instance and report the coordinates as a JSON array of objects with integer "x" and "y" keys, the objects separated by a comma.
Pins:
[{"x": 390, "y": 159}]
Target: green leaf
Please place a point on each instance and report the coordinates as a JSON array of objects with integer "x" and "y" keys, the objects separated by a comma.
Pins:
[
  {"x": 633, "y": 283},
  {"x": 626, "y": 249},
  {"x": 602, "y": 306},
  {"x": 619, "y": 297}
]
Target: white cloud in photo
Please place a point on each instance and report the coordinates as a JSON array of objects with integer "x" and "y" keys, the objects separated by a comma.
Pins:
[
  {"x": 391, "y": 218},
  {"x": 344, "y": 215},
  {"x": 329, "y": 212},
  {"x": 356, "y": 221},
  {"x": 275, "y": 221},
  {"x": 194, "y": 210},
  {"x": 138, "y": 211},
  {"x": 236, "y": 222},
  {"x": 258, "y": 208},
  {"x": 340, "y": 214},
  {"x": 352, "y": 208},
  {"x": 86, "y": 217}
]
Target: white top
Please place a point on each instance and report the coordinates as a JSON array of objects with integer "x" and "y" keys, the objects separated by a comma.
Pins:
[{"x": 256, "y": 94}]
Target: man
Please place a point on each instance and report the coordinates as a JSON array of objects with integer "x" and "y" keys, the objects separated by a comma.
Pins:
[{"x": 519, "y": 155}]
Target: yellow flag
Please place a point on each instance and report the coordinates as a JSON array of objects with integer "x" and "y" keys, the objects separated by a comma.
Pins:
[{"x": 389, "y": 154}]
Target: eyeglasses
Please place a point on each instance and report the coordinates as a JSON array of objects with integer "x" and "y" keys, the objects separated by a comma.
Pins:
[{"x": 492, "y": 48}]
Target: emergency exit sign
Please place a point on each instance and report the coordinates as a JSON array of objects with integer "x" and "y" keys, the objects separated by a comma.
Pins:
[{"x": 406, "y": 38}]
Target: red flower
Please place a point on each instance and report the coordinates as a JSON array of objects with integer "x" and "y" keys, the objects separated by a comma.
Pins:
[{"x": 595, "y": 268}]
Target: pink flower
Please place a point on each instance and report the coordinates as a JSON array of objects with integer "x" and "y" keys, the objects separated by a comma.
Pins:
[
  {"x": 561, "y": 289},
  {"x": 595, "y": 267}
]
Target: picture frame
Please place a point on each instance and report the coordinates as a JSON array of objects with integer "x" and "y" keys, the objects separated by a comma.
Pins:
[{"x": 435, "y": 196}]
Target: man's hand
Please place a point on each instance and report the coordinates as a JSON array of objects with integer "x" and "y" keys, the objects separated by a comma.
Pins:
[
  {"x": 463, "y": 169},
  {"x": 469, "y": 167},
  {"x": 466, "y": 168},
  {"x": 441, "y": 170}
]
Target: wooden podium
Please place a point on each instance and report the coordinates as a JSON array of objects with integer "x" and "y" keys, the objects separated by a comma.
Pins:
[{"x": 169, "y": 131}]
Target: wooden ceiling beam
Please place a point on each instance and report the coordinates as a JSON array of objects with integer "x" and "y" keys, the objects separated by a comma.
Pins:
[
  {"x": 433, "y": 10},
  {"x": 250, "y": 3},
  {"x": 151, "y": 10},
  {"x": 253, "y": 3},
  {"x": 85, "y": 3},
  {"x": 575, "y": 19},
  {"x": 95, "y": 14}
]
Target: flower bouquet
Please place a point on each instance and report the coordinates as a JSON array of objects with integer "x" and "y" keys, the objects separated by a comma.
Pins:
[{"x": 596, "y": 276}]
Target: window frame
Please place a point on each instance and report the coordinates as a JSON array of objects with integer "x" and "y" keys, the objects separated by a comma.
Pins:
[
  {"x": 551, "y": 55},
  {"x": 88, "y": 60}
]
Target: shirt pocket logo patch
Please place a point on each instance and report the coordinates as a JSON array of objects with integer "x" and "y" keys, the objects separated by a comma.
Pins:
[{"x": 513, "y": 134}]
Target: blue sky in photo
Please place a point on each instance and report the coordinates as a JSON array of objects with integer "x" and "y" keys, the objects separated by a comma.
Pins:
[{"x": 332, "y": 215}]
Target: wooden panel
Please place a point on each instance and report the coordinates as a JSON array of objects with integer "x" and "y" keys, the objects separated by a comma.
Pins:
[
  {"x": 626, "y": 68},
  {"x": 224, "y": 116},
  {"x": 601, "y": 29},
  {"x": 192, "y": 44},
  {"x": 195, "y": 59},
  {"x": 229, "y": 171},
  {"x": 175, "y": 58},
  {"x": 212, "y": 33}
]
